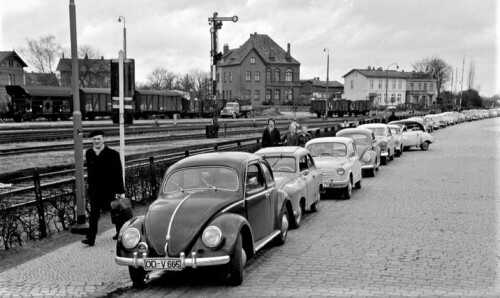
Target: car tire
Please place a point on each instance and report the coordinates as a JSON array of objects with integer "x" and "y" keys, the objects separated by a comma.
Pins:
[
  {"x": 236, "y": 263},
  {"x": 383, "y": 160},
  {"x": 401, "y": 151},
  {"x": 281, "y": 239},
  {"x": 391, "y": 157},
  {"x": 373, "y": 172},
  {"x": 347, "y": 191},
  {"x": 424, "y": 146},
  {"x": 300, "y": 213},
  {"x": 138, "y": 276},
  {"x": 315, "y": 205},
  {"x": 358, "y": 184}
]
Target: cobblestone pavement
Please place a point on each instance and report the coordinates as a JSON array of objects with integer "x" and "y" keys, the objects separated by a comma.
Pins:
[{"x": 427, "y": 226}]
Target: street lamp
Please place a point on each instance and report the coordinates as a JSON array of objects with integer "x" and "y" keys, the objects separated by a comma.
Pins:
[
  {"x": 124, "y": 36},
  {"x": 387, "y": 79},
  {"x": 327, "y": 69}
]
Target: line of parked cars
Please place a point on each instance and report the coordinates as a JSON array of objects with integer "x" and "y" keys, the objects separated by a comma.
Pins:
[{"x": 219, "y": 209}]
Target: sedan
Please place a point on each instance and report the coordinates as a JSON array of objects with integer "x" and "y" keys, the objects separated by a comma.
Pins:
[
  {"x": 338, "y": 161},
  {"x": 296, "y": 174},
  {"x": 385, "y": 140},
  {"x": 213, "y": 209}
]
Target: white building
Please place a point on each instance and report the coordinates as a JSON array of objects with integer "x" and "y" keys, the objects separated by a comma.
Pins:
[{"x": 390, "y": 87}]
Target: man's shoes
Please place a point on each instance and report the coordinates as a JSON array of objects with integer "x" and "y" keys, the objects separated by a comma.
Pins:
[
  {"x": 88, "y": 242},
  {"x": 115, "y": 237}
]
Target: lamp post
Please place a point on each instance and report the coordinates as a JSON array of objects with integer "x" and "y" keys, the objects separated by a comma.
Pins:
[
  {"x": 327, "y": 69},
  {"x": 387, "y": 79},
  {"x": 124, "y": 36}
]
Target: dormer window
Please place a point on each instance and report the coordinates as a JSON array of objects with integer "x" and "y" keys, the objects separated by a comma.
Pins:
[{"x": 252, "y": 60}]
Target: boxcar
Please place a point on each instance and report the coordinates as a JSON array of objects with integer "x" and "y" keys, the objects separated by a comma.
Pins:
[
  {"x": 157, "y": 103},
  {"x": 95, "y": 102}
]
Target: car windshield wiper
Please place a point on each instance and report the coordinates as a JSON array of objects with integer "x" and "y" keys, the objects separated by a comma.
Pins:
[
  {"x": 208, "y": 184},
  {"x": 181, "y": 189},
  {"x": 281, "y": 156}
]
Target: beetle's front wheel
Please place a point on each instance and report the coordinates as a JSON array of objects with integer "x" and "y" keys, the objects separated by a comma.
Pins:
[
  {"x": 424, "y": 146},
  {"x": 138, "y": 276},
  {"x": 281, "y": 239},
  {"x": 236, "y": 264}
]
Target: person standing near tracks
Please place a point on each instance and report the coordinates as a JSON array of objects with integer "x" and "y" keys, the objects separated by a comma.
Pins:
[
  {"x": 306, "y": 136},
  {"x": 271, "y": 135},
  {"x": 292, "y": 137},
  {"x": 105, "y": 183}
]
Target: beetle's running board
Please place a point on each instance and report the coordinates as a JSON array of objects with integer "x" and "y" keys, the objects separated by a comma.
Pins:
[{"x": 260, "y": 244}]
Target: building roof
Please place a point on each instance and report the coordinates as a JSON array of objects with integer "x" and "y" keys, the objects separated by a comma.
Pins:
[
  {"x": 268, "y": 50},
  {"x": 6, "y": 54},
  {"x": 381, "y": 73},
  {"x": 102, "y": 65},
  {"x": 318, "y": 83}
]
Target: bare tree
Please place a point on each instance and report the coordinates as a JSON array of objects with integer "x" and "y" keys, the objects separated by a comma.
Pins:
[
  {"x": 161, "y": 79},
  {"x": 471, "y": 74},
  {"x": 200, "y": 79},
  {"x": 42, "y": 53},
  {"x": 437, "y": 68}
]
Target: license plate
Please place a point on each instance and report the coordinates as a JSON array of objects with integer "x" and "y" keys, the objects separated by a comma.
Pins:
[{"x": 162, "y": 264}]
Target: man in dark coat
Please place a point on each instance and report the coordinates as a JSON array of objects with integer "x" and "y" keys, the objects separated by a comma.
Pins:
[
  {"x": 393, "y": 117},
  {"x": 292, "y": 137},
  {"x": 105, "y": 182},
  {"x": 271, "y": 135}
]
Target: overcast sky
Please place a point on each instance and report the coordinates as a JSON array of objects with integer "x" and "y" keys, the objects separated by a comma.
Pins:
[{"x": 361, "y": 33}]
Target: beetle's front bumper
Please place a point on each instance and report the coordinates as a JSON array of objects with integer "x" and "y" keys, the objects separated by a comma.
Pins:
[{"x": 191, "y": 262}]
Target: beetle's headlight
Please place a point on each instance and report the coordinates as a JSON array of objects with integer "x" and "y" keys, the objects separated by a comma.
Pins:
[
  {"x": 212, "y": 236},
  {"x": 367, "y": 158},
  {"x": 397, "y": 142},
  {"x": 130, "y": 238},
  {"x": 383, "y": 143},
  {"x": 340, "y": 171}
]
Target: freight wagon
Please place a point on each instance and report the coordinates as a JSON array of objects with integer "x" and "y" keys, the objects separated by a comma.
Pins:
[{"x": 339, "y": 107}]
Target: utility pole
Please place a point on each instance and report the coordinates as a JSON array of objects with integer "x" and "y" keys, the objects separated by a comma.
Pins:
[
  {"x": 81, "y": 226},
  {"x": 462, "y": 83},
  {"x": 327, "y": 70}
]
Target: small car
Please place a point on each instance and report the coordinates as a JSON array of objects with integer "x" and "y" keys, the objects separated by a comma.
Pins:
[
  {"x": 366, "y": 146},
  {"x": 295, "y": 173},
  {"x": 385, "y": 140},
  {"x": 414, "y": 134},
  {"x": 338, "y": 161},
  {"x": 213, "y": 209},
  {"x": 397, "y": 133},
  {"x": 427, "y": 124}
]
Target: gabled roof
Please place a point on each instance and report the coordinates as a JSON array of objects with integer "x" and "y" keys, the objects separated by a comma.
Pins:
[
  {"x": 264, "y": 46},
  {"x": 6, "y": 54},
  {"x": 103, "y": 65},
  {"x": 378, "y": 73},
  {"x": 332, "y": 84}
]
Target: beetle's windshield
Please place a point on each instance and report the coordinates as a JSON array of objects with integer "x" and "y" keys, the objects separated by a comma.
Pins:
[
  {"x": 328, "y": 148},
  {"x": 394, "y": 130},
  {"x": 282, "y": 164},
  {"x": 379, "y": 131},
  {"x": 216, "y": 178}
]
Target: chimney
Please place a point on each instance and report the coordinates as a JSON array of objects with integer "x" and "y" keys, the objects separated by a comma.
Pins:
[
  {"x": 102, "y": 57},
  {"x": 63, "y": 55},
  {"x": 226, "y": 49},
  {"x": 288, "y": 48}
]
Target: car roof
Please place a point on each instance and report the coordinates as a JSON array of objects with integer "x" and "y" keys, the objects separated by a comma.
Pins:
[
  {"x": 407, "y": 122},
  {"x": 354, "y": 130},
  {"x": 373, "y": 125},
  {"x": 330, "y": 139},
  {"x": 281, "y": 150},
  {"x": 233, "y": 159}
]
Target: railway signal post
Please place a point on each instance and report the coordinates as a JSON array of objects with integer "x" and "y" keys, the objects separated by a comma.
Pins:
[{"x": 216, "y": 23}]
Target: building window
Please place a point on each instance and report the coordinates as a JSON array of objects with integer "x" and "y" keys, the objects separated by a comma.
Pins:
[
  {"x": 252, "y": 60},
  {"x": 411, "y": 86},
  {"x": 371, "y": 84},
  {"x": 248, "y": 95},
  {"x": 419, "y": 86},
  {"x": 268, "y": 75},
  {"x": 248, "y": 76},
  {"x": 288, "y": 95},
  {"x": 425, "y": 86},
  {"x": 400, "y": 84},
  {"x": 230, "y": 77},
  {"x": 393, "y": 97},
  {"x": 277, "y": 75},
  {"x": 379, "y": 97},
  {"x": 225, "y": 77},
  {"x": 268, "y": 95},
  {"x": 399, "y": 97},
  {"x": 380, "y": 84},
  {"x": 257, "y": 76},
  {"x": 393, "y": 84},
  {"x": 276, "y": 95},
  {"x": 256, "y": 95},
  {"x": 217, "y": 77},
  {"x": 431, "y": 86},
  {"x": 352, "y": 84},
  {"x": 289, "y": 75},
  {"x": 10, "y": 79}
]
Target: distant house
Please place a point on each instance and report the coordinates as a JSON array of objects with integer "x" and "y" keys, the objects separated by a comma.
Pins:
[
  {"x": 11, "y": 73},
  {"x": 390, "y": 87},
  {"x": 260, "y": 71},
  {"x": 316, "y": 89},
  {"x": 94, "y": 73}
]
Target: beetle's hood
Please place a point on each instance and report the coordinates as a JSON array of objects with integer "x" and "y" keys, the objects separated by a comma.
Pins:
[
  {"x": 361, "y": 149},
  {"x": 328, "y": 162},
  {"x": 190, "y": 212}
]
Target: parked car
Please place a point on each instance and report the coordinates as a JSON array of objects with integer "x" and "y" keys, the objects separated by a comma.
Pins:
[
  {"x": 338, "y": 161},
  {"x": 213, "y": 209},
  {"x": 366, "y": 147},
  {"x": 434, "y": 120},
  {"x": 414, "y": 134},
  {"x": 385, "y": 140},
  {"x": 296, "y": 174},
  {"x": 425, "y": 122},
  {"x": 397, "y": 133}
]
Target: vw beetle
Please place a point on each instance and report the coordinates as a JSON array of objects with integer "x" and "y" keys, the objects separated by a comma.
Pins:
[
  {"x": 213, "y": 209},
  {"x": 296, "y": 174},
  {"x": 385, "y": 140},
  {"x": 366, "y": 146}
]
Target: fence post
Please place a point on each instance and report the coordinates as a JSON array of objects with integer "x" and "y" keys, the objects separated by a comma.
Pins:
[
  {"x": 152, "y": 178},
  {"x": 39, "y": 206}
]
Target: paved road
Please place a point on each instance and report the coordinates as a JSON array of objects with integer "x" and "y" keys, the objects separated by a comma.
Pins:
[{"x": 427, "y": 225}]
